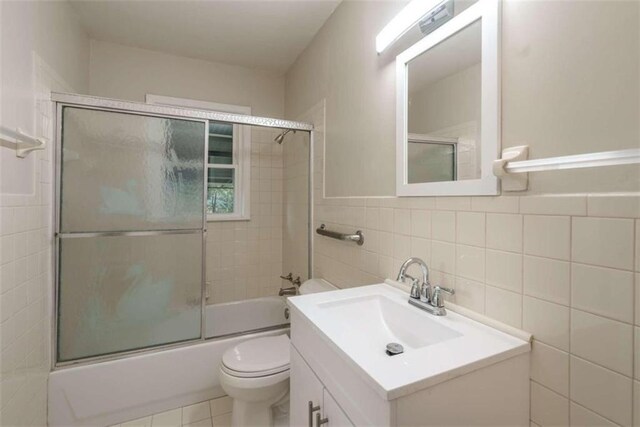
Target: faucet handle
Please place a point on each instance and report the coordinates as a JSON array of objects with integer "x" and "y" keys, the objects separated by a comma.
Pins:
[
  {"x": 425, "y": 292},
  {"x": 288, "y": 277},
  {"x": 437, "y": 300},
  {"x": 415, "y": 287}
]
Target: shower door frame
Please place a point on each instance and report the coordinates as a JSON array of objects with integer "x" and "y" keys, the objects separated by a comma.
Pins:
[{"x": 62, "y": 100}]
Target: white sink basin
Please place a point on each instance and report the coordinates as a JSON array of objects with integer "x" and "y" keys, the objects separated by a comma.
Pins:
[
  {"x": 370, "y": 322},
  {"x": 358, "y": 323}
]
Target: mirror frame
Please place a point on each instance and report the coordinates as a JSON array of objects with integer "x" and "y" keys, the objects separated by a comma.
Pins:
[{"x": 489, "y": 12}]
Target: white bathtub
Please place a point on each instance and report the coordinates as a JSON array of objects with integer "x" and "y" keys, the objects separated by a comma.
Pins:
[
  {"x": 248, "y": 315},
  {"x": 107, "y": 393}
]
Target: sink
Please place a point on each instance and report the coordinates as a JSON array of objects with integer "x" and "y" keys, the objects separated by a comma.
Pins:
[
  {"x": 370, "y": 322},
  {"x": 358, "y": 323}
]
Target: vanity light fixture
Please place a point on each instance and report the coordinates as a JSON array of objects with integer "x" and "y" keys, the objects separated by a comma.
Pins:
[{"x": 403, "y": 21}]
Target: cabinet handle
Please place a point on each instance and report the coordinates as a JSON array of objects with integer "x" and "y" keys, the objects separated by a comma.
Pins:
[
  {"x": 320, "y": 421},
  {"x": 312, "y": 409}
]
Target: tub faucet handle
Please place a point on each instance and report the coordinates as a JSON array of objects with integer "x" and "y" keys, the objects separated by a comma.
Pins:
[{"x": 288, "y": 277}]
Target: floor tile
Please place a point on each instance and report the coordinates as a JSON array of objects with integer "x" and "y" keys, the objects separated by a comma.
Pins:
[
  {"x": 202, "y": 423},
  {"x": 222, "y": 420},
  {"x": 140, "y": 422},
  {"x": 168, "y": 419},
  {"x": 197, "y": 412},
  {"x": 220, "y": 406}
]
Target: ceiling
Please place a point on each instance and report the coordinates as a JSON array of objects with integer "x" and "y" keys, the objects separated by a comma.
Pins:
[{"x": 266, "y": 34}]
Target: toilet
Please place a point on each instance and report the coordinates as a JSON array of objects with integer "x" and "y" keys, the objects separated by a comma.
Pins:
[{"x": 255, "y": 373}]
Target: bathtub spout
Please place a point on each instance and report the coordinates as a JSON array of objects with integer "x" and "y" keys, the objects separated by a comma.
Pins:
[{"x": 288, "y": 291}]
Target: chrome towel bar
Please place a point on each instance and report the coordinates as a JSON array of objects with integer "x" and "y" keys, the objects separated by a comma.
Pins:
[{"x": 358, "y": 237}]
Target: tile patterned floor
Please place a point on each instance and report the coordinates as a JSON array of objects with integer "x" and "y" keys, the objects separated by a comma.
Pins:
[{"x": 211, "y": 413}]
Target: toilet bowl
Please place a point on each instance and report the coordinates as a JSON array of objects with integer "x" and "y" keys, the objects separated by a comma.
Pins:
[{"x": 255, "y": 373}]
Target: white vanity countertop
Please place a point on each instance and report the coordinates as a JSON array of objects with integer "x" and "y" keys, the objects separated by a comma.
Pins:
[{"x": 359, "y": 322}]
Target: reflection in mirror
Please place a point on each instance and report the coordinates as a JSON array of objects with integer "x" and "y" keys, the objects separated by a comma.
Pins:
[{"x": 443, "y": 111}]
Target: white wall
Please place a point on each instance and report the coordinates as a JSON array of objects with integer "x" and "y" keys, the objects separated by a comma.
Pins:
[
  {"x": 341, "y": 65},
  {"x": 123, "y": 72},
  {"x": 52, "y": 32},
  {"x": 43, "y": 48},
  {"x": 563, "y": 267},
  {"x": 569, "y": 78}
]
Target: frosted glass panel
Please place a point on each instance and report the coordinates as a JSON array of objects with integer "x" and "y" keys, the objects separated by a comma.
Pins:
[
  {"x": 123, "y": 293},
  {"x": 123, "y": 172}
]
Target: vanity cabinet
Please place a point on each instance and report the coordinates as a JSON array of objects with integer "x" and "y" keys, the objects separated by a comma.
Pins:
[
  {"x": 496, "y": 393},
  {"x": 306, "y": 388}
]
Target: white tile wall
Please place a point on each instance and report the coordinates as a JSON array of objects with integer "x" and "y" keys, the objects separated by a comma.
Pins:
[
  {"x": 25, "y": 287},
  {"x": 244, "y": 258},
  {"x": 563, "y": 267}
]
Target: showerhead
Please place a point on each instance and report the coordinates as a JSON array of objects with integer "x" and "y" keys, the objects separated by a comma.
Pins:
[{"x": 281, "y": 136}]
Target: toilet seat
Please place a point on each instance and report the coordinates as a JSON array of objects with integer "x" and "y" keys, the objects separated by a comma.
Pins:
[{"x": 258, "y": 357}]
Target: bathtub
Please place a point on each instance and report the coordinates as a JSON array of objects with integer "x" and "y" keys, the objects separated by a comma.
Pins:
[
  {"x": 248, "y": 315},
  {"x": 107, "y": 393}
]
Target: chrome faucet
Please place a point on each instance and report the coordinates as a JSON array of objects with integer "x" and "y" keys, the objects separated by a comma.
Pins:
[
  {"x": 422, "y": 295},
  {"x": 421, "y": 291},
  {"x": 293, "y": 290}
]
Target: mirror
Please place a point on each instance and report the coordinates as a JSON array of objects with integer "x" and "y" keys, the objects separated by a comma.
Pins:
[{"x": 448, "y": 103}]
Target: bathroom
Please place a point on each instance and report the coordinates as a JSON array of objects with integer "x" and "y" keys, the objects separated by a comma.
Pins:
[{"x": 263, "y": 276}]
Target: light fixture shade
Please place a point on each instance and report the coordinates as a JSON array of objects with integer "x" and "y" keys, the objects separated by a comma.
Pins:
[{"x": 405, "y": 19}]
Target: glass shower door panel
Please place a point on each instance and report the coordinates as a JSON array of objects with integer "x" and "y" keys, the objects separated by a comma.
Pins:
[
  {"x": 123, "y": 172},
  {"x": 121, "y": 293}
]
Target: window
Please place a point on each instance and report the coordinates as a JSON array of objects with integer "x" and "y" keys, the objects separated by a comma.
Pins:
[{"x": 228, "y": 160}]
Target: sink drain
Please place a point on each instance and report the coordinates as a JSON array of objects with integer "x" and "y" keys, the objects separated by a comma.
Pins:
[{"x": 394, "y": 348}]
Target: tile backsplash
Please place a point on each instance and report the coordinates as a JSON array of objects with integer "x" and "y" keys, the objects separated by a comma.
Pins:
[{"x": 564, "y": 267}]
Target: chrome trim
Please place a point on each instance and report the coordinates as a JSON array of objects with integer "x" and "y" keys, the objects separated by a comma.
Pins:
[
  {"x": 203, "y": 274},
  {"x": 311, "y": 202},
  {"x": 123, "y": 354},
  {"x": 57, "y": 164},
  {"x": 358, "y": 237},
  {"x": 127, "y": 233},
  {"x": 157, "y": 349},
  {"x": 436, "y": 311},
  {"x": 128, "y": 106},
  {"x": 252, "y": 331}
]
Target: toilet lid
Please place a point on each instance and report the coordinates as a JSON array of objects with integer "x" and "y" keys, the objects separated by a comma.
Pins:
[{"x": 258, "y": 357}]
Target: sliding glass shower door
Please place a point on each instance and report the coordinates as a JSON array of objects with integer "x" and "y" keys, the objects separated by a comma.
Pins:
[{"x": 130, "y": 235}]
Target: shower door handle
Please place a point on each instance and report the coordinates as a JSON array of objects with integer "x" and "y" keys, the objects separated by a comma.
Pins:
[{"x": 312, "y": 409}]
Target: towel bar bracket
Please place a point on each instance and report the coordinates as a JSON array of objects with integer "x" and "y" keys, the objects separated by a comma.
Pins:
[{"x": 22, "y": 143}]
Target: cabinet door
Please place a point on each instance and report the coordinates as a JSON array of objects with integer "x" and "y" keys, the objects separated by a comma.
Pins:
[
  {"x": 305, "y": 388},
  {"x": 334, "y": 413}
]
